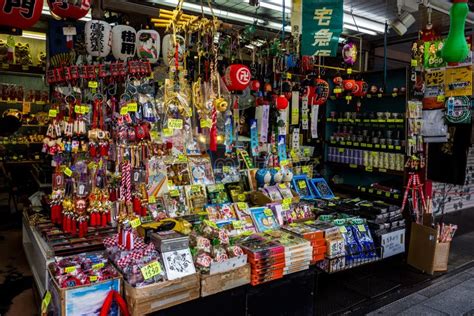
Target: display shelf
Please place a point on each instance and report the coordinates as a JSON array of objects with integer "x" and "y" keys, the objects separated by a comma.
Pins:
[
  {"x": 20, "y": 102},
  {"x": 374, "y": 96},
  {"x": 39, "y": 183},
  {"x": 22, "y": 70},
  {"x": 26, "y": 162},
  {"x": 364, "y": 168},
  {"x": 342, "y": 263},
  {"x": 365, "y": 121},
  {"x": 372, "y": 147},
  {"x": 370, "y": 193},
  {"x": 38, "y": 254}
]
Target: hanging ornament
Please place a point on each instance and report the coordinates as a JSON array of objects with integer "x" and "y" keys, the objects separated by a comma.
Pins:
[
  {"x": 70, "y": 9},
  {"x": 237, "y": 77},
  {"x": 281, "y": 102},
  {"x": 349, "y": 84},
  {"x": 169, "y": 49},
  {"x": 458, "y": 110},
  {"x": 321, "y": 92},
  {"x": 20, "y": 14},
  {"x": 97, "y": 38},
  {"x": 255, "y": 85},
  {"x": 124, "y": 42},
  {"x": 360, "y": 89},
  {"x": 148, "y": 45},
  {"x": 455, "y": 48},
  {"x": 349, "y": 53}
]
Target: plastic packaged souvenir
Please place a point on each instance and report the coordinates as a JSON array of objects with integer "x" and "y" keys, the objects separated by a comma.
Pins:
[
  {"x": 217, "y": 194},
  {"x": 196, "y": 197},
  {"x": 175, "y": 202},
  {"x": 201, "y": 170}
]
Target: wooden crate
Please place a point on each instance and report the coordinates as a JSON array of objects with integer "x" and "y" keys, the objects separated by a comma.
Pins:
[
  {"x": 158, "y": 296},
  {"x": 80, "y": 300},
  {"x": 212, "y": 284}
]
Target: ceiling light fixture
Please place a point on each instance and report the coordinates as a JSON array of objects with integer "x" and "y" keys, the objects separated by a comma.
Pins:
[{"x": 275, "y": 7}]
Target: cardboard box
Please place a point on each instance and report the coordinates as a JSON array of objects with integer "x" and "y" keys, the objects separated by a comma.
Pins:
[
  {"x": 212, "y": 284},
  {"x": 425, "y": 252},
  {"x": 71, "y": 301},
  {"x": 158, "y": 296}
]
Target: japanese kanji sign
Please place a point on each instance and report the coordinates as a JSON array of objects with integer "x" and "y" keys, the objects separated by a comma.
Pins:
[
  {"x": 322, "y": 25},
  {"x": 20, "y": 13}
]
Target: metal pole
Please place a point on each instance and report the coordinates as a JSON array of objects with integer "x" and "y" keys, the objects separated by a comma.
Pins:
[{"x": 385, "y": 56}]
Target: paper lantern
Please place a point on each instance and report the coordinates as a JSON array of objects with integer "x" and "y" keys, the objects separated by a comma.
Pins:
[
  {"x": 169, "y": 50},
  {"x": 360, "y": 89},
  {"x": 237, "y": 77},
  {"x": 321, "y": 92},
  {"x": 255, "y": 85},
  {"x": 68, "y": 10},
  {"x": 455, "y": 49},
  {"x": 281, "y": 102},
  {"x": 148, "y": 45},
  {"x": 349, "y": 84},
  {"x": 97, "y": 38},
  {"x": 21, "y": 14},
  {"x": 124, "y": 42}
]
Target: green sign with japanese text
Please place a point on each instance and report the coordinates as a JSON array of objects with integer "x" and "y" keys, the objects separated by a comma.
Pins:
[{"x": 322, "y": 25}]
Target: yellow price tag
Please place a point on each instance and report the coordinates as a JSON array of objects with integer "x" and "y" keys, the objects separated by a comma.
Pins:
[
  {"x": 182, "y": 158},
  {"x": 45, "y": 302},
  {"x": 174, "y": 193},
  {"x": 349, "y": 71},
  {"x": 70, "y": 269},
  {"x": 382, "y": 170},
  {"x": 361, "y": 228},
  {"x": 369, "y": 169},
  {"x": 195, "y": 188},
  {"x": 93, "y": 278},
  {"x": 414, "y": 63},
  {"x": 287, "y": 201},
  {"x": 284, "y": 163},
  {"x": 353, "y": 166},
  {"x": 282, "y": 186},
  {"x": 151, "y": 270},
  {"x": 152, "y": 199},
  {"x": 84, "y": 109},
  {"x": 206, "y": 123},
  {"x": 78, "y": 109},
  {"x": 302, "y": 184},
  {"x": 93, "y": 84},
  {"x": 440, "y": 98},
  {"x": 241, "y": 197},
  {"x": 98, "y": 266},
  {"x": 132, "y": 107},
  {"x": 237, "y": 225},
  {"x": 175, "y": 123},
  {"x": 288, "y": 75},
  {"x": 53, "y": 113},
  {"x": 343, "y": 229},
  {"x": 348, "y": 97},
  {"x": 135, "y": 223},
  {"x": 337, "y": 90},
  {"x": 285, "y": 207},
  {"x": 154, "y": 134},
  {"x": 306, "y": 169},
  {"x": 268, "y": 212},
  {"x": 242, "y": 206},
  {"x": 68, "y": 172},
  {"x": 226, "y": 169},
  {"x": 167, "y": 132},
  {"x": 124, "y": 110}
]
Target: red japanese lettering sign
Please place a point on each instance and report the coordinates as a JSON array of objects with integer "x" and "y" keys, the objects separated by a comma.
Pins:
[
  {"x": 21, "y": 14},
  {"x": 67, "y": 10}
]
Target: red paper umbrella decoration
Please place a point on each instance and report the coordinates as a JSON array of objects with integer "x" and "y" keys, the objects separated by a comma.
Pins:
[
  {"x": 21, "y": 14},
  {"x": 237, "y": 77},
  {"x": 68, "y": 10}
]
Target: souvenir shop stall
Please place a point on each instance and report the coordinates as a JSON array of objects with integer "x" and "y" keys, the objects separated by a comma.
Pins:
[{"x": 195, "y": 160}]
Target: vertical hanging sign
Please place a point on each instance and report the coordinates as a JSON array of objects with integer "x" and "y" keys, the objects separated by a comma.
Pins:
[{"x": 322, "y": 25}]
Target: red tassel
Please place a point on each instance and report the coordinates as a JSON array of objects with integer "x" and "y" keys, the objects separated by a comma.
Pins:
[
  {"x": 144, "y": 210},
  {"x": 112, "y": 195},
  {"x": 128, "y": 241},
  {"x": 60, "y": 216},
  {"x": 86, "y": 228},
  {"x": 104, "y": 219},
  {"x": 93, "y": 219},
  {"x": 104, "y": 150},
  {"x": 64, "y": 224},
  {"x": 92, "y": 150},
  {"x": 73, "y": 226},
  {"x": 81, "y": 229},
  {"x": 137, "y": 204},
  {"x": 109, "y": 217},
  {"x": 68, "y": 224}
]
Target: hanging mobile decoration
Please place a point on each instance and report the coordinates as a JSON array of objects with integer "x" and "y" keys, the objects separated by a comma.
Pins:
[
  {"x": 148, "y": 45},
  {"x": 349, "y": 53}
]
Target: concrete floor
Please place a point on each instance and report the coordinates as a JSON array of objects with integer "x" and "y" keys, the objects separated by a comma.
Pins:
[{"x": 452, "y": 295}]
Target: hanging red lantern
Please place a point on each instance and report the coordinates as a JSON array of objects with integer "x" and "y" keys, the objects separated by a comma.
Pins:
[
  {"x": 337, "y": 80},
  {"x": 255, "y": 85},
  {"x": 281, "y": 102},
  {"x": 20, "y": 14},
  {"x": 237, "y": 77},
  {"x": 360, "y": 89},
  {"x": 349, "y": 84},
  {"x": 68, "y": 10}
]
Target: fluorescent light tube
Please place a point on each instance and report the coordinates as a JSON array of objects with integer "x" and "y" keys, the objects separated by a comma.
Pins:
[
  {"x": 360, "y": 29},
  {"x": 34, "y": 35},
  {"x": 275, "y": 7}
]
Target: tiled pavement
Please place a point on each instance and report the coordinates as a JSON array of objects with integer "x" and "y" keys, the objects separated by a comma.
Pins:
[{"x": 453, "y": 295}]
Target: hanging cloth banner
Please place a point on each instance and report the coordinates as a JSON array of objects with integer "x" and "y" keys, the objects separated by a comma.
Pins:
[
  {"x": 314, "y": 121},
  {"x": 296, "y": 17},
  {"x": 322, "y": 25}
]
